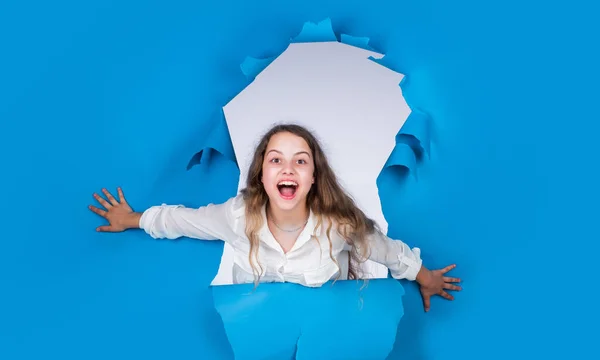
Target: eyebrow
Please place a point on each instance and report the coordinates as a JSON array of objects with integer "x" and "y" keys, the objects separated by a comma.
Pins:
[{"x": 298, "y": 153}]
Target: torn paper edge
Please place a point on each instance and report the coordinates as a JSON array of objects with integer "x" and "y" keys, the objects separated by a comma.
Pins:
[
  {"x": 217, "y": 139},
  {"x": 414, "y": 133},
  {"x": 412, "y": 140}
]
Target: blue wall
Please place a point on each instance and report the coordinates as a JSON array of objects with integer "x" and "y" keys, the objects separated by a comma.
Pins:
[{"x": 105, "y": 94}]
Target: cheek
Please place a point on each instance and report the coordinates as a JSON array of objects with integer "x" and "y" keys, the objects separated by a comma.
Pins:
[
  {"x": 268, "y": 177},
  {"x": 307, "y": 176}
]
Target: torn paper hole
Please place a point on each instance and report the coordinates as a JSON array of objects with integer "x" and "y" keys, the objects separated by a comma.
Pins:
[{"x": 353, "y": 105}]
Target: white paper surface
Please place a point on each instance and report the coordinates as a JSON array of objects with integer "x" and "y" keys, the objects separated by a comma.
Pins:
[{"x": 353, "y": 105}]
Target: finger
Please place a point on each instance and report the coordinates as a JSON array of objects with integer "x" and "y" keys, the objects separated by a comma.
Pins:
[
  {"x": 426, "y": 302},
  {"x": 110, "y": 198},
  {"x": 451, "y": 279},
  {"x": 102, "y": 202},
  {"x": 452, "y": 287},
  {"x": 448, "y": 268},
  {"x": 121, "y": 196},
  {"x": 105, "y": 228},
  {"x": 98, "y": 211},
  {"x": 446, "y": 295}
]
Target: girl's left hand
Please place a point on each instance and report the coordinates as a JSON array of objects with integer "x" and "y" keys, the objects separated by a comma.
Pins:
[{"x": 433, "y": 282}]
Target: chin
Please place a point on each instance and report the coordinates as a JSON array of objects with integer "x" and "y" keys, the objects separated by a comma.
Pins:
[{"x": 278, "y": 204}]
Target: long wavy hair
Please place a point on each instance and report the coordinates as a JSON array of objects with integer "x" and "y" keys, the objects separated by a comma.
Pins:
[{"x": 327, "y": 199}]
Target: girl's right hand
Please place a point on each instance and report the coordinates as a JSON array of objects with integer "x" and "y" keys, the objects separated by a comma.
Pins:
[{"x": 119, "y": 214}]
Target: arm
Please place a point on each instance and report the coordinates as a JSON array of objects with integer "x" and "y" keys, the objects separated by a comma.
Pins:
[
  {"x": 402, "y": 261},
  {"x": 210, "y": 222},
  {"x": 406, "y": 263}
]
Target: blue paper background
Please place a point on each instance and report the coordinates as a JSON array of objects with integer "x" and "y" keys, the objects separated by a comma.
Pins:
[{"x": 123, "y": 93}]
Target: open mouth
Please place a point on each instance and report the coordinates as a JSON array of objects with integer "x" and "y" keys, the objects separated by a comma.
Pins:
[{"x": 287, "y": 189}]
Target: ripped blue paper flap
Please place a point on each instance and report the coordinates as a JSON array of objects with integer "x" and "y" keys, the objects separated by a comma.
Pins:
[
  {"x": 415, "y": 132},
  {"x": 311, "y": 32},
  {"x": 260, "y": 324},
  {"x": 386, "y": 62},
  {"x": 401, "y": 162},
  {"x": 217, "y": 141},
  {"x": 357, "y": 41},
  {"x": 290, "y": 321},
  {"x": 412, "y": 141},
  {"x": 251, "y": 67}
]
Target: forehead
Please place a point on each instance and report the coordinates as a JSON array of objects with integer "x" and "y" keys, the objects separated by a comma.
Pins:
[{"x": 287, "y": 141}]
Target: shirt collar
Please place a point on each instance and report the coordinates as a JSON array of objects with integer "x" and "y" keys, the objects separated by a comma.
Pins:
[
  {"x": 305, "y": 235},
  {"x": 265, "y": 234}
]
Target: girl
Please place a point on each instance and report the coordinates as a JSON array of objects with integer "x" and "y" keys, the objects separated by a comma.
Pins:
[{"x": 291, "y": 213}]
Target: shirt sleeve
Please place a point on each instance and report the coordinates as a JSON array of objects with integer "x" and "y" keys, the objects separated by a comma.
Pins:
[
  {"x": 210, "y": 222},
  {"x": 402, "y": 261}
]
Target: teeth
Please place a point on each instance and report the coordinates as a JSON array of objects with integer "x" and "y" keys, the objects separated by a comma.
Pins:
[{"x": 292, "y": 183}]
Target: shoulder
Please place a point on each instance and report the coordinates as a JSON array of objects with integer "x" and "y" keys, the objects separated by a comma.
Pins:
[
  {"x": 237, "y": 206},
  {"x": 346, "y": 232},
  {"x": 336, "y": 227},
  {"x": 230, "y": 212},
  {"x": 237, "y": 214},
  {"x": 235, "y": 209},
  {"x": 230, "y": 208},
  {"x": 328, "y": 226}
]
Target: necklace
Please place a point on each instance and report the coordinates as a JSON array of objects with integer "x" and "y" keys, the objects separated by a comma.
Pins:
[{"x": 292, "y": 230}]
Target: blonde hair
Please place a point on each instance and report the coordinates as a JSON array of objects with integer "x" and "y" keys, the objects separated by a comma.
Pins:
[{"x": 326, "y": 199}]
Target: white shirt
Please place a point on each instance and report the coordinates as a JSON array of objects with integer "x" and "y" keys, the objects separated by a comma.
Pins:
[{"x": 308, "y": 262}]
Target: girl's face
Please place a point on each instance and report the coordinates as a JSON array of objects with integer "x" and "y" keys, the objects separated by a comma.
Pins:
[{"x": 288, "y": 170}]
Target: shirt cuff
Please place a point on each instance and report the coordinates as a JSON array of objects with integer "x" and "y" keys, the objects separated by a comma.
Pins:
[
  {"x": 409, "y": 266},
  {"x": 148, "y": 218}
]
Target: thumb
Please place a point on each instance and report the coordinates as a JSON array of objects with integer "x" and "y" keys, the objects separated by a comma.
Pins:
[
  {"x": 426, "y": 302},
  {"x": 105, "y": 228}
]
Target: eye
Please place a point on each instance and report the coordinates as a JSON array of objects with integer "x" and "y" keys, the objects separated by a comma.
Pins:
[
  {"x": 274, "y": 160},
  {"x": 301, "y": 161}
]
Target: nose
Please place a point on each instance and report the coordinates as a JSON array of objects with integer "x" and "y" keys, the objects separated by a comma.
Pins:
[{"x": 288, "y": 169}]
